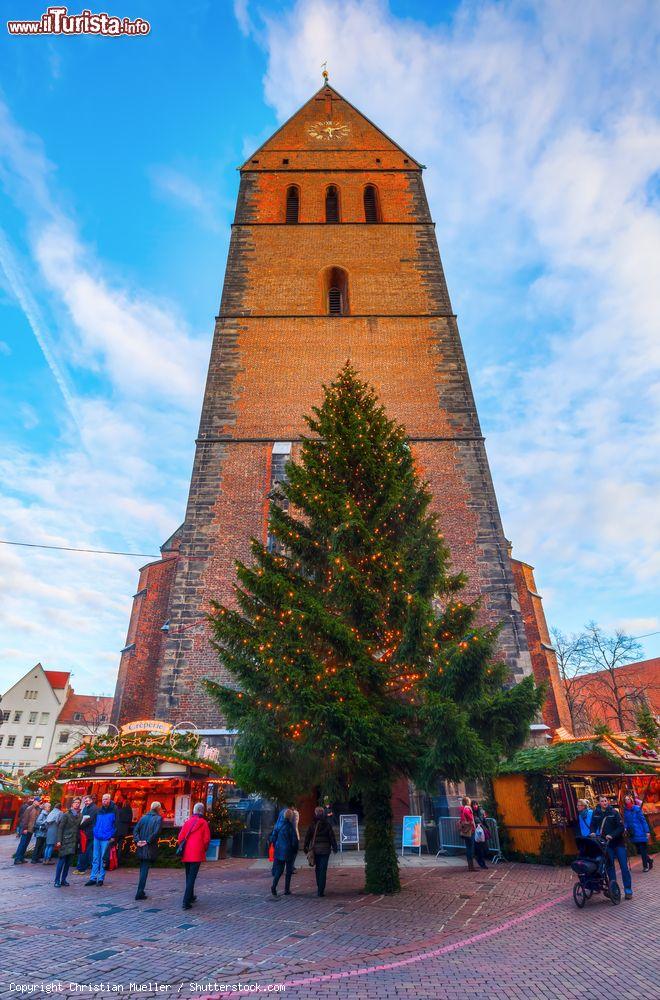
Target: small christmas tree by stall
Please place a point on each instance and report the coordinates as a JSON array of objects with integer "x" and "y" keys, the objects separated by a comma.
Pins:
[
  {"x": 355, "y": 662},
  {"x": 222, "y": 824}
]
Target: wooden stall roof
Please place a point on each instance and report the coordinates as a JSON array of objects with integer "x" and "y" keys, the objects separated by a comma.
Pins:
[{"x": 579, "y": 755}]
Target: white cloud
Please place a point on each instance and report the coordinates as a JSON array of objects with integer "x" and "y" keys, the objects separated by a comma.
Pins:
[
  {"x": 112, "y": 483},
  {"x": 539, "y": 125}
]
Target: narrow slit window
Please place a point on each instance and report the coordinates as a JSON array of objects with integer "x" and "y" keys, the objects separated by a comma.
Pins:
[
  {"x": 292, "y": 205},
  {"x": 332, "y": 204},
  {"x": 280, "y": 455},
  {"x": 336, "y": 291},
  {"x": 371, "y": 208}
]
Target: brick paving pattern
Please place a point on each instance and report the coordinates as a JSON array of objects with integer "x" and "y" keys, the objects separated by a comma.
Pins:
[{"x": 510, "y": 932}]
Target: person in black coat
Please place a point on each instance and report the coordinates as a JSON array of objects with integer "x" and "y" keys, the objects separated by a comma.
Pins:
[
  {"x": 145, "y": 835},
  {"x": 606, "y": 822},
  {"x": 284, "y": 840},
  {"x": 88, "y": 819},
  {"x": 320, "y": 839},
  {"x": 124, "y": 821}
]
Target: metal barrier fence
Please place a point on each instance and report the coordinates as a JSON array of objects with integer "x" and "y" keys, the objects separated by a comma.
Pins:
[{"x": 451, "y": 840}]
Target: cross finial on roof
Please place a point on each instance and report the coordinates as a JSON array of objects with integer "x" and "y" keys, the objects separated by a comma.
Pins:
[{"x": 324, "y": 71}]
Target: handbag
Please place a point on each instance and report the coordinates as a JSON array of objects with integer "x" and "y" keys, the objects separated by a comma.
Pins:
[
  {"x": 311, "y": 857},
  {"x": 181, "y": 846}
]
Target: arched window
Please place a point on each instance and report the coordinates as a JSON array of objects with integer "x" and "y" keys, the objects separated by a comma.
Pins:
[
  {"x": 332, "y": 204},
  {"x": 292, "y": 204},
  {"x": 371, "y": 206},
  {"x": 336, "y": 291}
]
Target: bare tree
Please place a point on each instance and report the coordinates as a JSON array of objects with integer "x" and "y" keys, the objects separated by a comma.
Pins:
[
  {"x": 93, "y": 723},
  {"x": 622, "y": 692},
  {"x": 598, "y": 691},
  {"x": 571, "y": 660}
]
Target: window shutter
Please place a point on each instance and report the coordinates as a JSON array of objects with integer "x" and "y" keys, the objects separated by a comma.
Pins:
[
  {"x": 332, "y": 205},
  {"x": 370, "y": 204},
  {"x": 292, "y": 204},
  {"x": 334, "y": 301}
]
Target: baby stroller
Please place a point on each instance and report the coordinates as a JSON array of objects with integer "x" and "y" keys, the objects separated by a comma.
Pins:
[{"x": 591, "y": 870}]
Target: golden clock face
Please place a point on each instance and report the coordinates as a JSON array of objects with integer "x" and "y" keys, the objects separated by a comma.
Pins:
[{"x": 329, "y": 130}]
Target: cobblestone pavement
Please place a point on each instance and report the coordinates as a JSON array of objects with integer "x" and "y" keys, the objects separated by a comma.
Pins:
[{"x": 510, "y": 932}]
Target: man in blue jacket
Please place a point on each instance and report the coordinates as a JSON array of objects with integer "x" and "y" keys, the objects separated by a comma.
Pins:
[{"x": 105, "y": 832}]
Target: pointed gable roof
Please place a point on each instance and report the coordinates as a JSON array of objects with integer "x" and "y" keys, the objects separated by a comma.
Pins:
[{"x": 356, "y": 132}]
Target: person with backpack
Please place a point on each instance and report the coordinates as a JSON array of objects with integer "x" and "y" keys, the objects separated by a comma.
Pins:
[
  {"x": 607, "y": 824},
  {"x": 638, "y": 830},
  {"x": 466, "y": 828},
  {"x": 40, "y": 833},
  {"x": 193, "y": 843},
  {"x": 284, "y": 840},
  {"x": 480, "y": 834},
  {"x": 319, "y": 841},
  {"x": 145, "y": 836},
  {"x": 68, "y": 826}
]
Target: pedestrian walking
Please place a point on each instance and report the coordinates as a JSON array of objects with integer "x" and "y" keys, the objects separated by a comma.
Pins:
[
  {"x": 607, "y": 823},
  {"x": 52, "y": 819},
  {"x": 466, "y": 828},
  {"x": 284, "y": 840},
  {"x": 67, "y": 841},
  {"x": 105, "y": 832},
  {"x": 26, "y": 827},
  {"x": 584, "y": 817},
  {"x": 194, "y": 839},
  {"x": 638, "y": 830},
  {"x": 39, "y": 844},
  {"x": 145, "y": 836},
  {"x": 319, "y": 841},
  {"x": 88, "y": 819},
  {"x": 481, "y": 834},
  {"x": 124, "y": 823}
]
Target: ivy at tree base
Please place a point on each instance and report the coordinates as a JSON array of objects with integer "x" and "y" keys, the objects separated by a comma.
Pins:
[{"x": 381, "y": 863}]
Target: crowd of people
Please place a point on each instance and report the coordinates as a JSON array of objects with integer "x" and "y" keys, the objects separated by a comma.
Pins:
[
  {"x": 96, "y": 837},
  {"x": 606, "y": 822}
]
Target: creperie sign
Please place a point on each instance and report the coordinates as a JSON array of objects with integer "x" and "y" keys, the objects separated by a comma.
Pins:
[{"x": 147, "y": 726}]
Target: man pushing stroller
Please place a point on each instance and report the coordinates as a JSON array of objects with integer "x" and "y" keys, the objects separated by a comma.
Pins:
[{"x": 606, "y": 822}]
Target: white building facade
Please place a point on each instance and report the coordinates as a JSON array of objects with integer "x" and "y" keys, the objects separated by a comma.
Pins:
[{"x": 42, "y": 718}]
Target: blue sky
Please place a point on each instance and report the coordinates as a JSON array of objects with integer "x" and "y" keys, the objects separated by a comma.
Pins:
[{"x": 539, "y": 126}]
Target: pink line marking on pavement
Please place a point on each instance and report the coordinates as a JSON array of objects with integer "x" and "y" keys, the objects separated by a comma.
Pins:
[{"x": 435, "y": 953}]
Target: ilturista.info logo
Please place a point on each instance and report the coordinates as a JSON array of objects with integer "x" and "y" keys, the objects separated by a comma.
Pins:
[{"x": 58, "y": 21}]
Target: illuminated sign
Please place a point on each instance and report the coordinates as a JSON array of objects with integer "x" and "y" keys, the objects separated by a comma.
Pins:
[{"x": 147, "y": 726}]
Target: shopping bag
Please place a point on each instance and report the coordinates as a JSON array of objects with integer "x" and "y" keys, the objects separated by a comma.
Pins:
[{"x": 113, "y": 861}]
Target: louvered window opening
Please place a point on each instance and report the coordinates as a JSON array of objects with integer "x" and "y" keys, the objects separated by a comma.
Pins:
[
  {"x": 292, "y": 206},
  {"x": 334, "y": 301},
  {"x": 332, "y": 205},
  {"x": 370, "y": 205},
  {"x": 277, "y": 475}
]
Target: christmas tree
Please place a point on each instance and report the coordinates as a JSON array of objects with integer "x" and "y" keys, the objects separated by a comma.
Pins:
[{"x": 355, "y": 661}]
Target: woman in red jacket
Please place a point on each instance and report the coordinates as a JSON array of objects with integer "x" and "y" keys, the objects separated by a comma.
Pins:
[{"x": 195, "y": 835}]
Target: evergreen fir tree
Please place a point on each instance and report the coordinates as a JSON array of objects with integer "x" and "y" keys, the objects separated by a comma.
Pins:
[
  {"x": 355, "y": 661},
  {"x": 646, "y": 725}
]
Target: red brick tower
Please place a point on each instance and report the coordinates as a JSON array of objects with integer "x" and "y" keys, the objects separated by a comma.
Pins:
[{"x": 333, "y": 256}]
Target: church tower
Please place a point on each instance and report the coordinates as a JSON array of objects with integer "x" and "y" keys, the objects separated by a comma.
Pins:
[{"x": 333, "y": 256}]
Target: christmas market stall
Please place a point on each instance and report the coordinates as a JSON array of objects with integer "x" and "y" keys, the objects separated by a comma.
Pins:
[
  {"x": 142, "y": 762},
  {"x": 537, "y": 790},
  {"x": 11, "y": 797}
]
